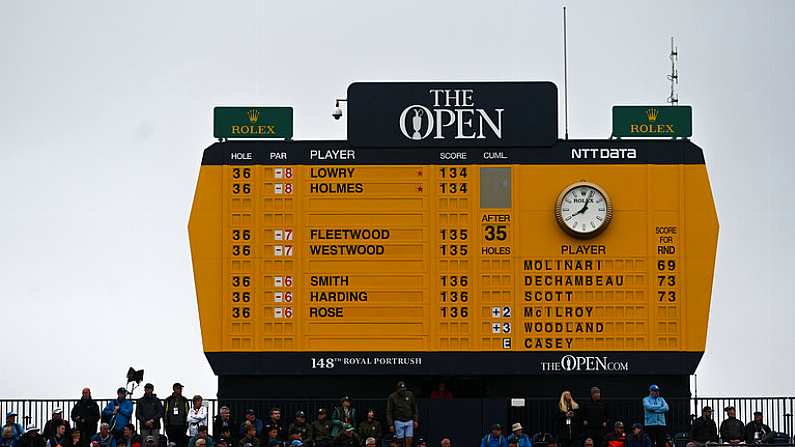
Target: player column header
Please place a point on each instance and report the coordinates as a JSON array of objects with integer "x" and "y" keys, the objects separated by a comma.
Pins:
[{"x": 450, "y": 114}]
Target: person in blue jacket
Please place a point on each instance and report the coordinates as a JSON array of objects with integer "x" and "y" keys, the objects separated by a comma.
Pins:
[
  {"x": 654, "y": 409},
  {"x": 495, "y": 438},
  {"x": 118, "y": 413},
  {"x": 11, "y": 421},
  {"x": 519, "y": 437}
]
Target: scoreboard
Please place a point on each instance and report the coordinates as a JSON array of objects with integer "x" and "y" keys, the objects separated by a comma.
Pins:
[{"x": 586, "y": 256}]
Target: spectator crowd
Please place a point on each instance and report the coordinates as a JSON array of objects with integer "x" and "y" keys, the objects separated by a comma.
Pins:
[{"x": 177, "y": 421}]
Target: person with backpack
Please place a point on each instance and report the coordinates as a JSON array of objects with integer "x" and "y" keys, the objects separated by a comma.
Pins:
[{"x": 495, "y": 438}]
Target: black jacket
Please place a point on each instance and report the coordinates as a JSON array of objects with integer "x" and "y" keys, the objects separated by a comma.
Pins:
[
  {"x": 178, "y": 418},
  {"x": 49, "y": 428},
  {"x": 270, "y": 424},
  {"x": 371, "y": 429},
  {"x": 296, "y": 428},
  {"x": 594, "y": 415},
  {"x": 730, "y": 429},
  {"x": 752, "y": 428},
  {"x": 27, "y": 440},
  {"x": 568, "y": 431},
  {"x": 704, "y": 430},
  {"x": 220, "y": 426},
  {"x": 149, "y": 408},
  {"x": 85, "y": 415}
]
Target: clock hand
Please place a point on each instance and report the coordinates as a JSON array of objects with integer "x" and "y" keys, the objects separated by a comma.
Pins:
[{"x": 585, "y": 207}]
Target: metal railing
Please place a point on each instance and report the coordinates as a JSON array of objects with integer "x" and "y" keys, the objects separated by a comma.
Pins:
[
  {"x": 538, "y": 414},
  {"x": 777, "y": 411}
]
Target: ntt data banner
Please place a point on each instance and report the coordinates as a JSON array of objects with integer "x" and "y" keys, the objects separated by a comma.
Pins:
[{"x": 452, "y": 114}]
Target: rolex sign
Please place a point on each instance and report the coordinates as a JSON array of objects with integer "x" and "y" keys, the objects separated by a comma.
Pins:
[{"x": 450, "y": 114}]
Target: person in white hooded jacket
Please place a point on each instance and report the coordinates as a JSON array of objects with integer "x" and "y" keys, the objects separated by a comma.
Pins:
[{"x": 196, "y": 416}]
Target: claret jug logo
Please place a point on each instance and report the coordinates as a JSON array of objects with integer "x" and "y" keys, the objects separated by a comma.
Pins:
[{"x": 451, "y": 114}]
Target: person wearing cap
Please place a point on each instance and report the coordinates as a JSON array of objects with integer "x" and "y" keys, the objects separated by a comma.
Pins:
[
  {"x": 732, "y": 430},
  {"x": 347, "y": 437},
  {"x": 276, "y": 422},
  {"x": 118, "y": 412},
  {"x": 197, "y": 416},
  {"x": 203, "y": 434},
  {"x": 421, "y": 442},
  {"x": 11, "y": 422},
  {"x": 401, "y": 414},
  {"x": 298, "y": 429},
  {"x": 52, "y": 424},
  {"x": 175, "y": 416},
  {"x": 320, "y": 432},
  {"x": 370, "y": 442},
  {"x": 654, "y": 409},
  {"x": 616, "y": 438},
  {"x": 32, "y": 438},
  {"x": 296, "y": 443},
  {"x": 249, "y": 437},
  {"x": 371, "y": 427},
  {"x": 757, "y": 432},
  {"x": 568, "y": 419},
  {"x": 149, "y": 412},
  {"x": 594, "y": 417},
  {"x": 638, "y": 438},
  {"x": 445, "y": 442},
  {"x": 7, "y": 440},
  {"x": 343, "y": 414},
  {"x": 104, "y": 438},
  {"x": 85, "y": 415},
  {"x": 251, "y": 418},
  {"x": 518, "y": 436},
  {"x": 704, "y": 431},
  {"x": 494, "y": 438},
  {"x": 223, "y": 426}
]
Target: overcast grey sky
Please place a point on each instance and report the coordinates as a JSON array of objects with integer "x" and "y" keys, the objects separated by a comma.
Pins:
[{"x": 105, "y": 108}]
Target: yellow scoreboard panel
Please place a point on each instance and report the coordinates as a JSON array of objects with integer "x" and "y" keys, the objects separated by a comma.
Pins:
[{"x": 588, "y": 255}]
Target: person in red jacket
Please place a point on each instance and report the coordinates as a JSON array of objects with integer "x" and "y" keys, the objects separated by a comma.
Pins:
[{"x": 618, "y": 437}]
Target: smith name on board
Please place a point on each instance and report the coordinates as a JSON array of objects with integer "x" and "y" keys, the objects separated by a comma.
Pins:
[
  {"x": 322, "y": 301},
  {"x": 334, "y": 187}
]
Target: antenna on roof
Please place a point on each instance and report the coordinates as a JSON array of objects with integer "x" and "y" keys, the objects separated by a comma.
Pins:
[
  {"x": 673, "y": 98},
  {"x": 565, "y": 78}
]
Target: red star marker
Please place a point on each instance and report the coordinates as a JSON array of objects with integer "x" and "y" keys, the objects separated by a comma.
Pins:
[
  {"x": 419, "y": 188},
  {"x": 419, "y": 173}
]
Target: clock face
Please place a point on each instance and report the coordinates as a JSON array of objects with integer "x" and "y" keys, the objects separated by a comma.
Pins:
[{"x": 583, "y": 210}]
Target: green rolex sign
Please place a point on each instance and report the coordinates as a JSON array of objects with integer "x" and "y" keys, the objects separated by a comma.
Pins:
[
  {"x": 652, "y": 121},
  {"x": 253, "y": 122}
]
